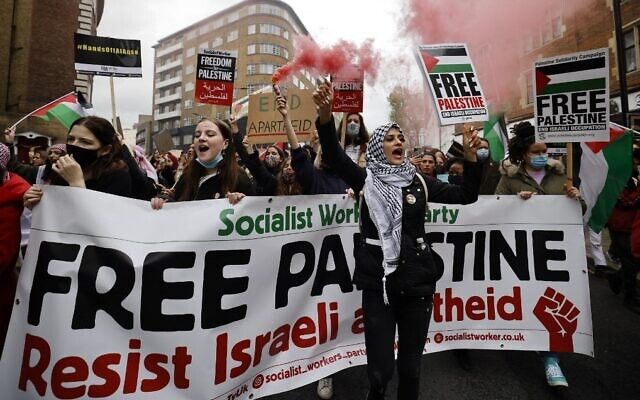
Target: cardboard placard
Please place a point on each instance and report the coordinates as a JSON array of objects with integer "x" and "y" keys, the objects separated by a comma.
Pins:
[
  {"x": 266, "y": 125},
  {"x": 163, "y": 141},
  {"x": 572, "y": 97},
  {"x": 454, "y": 83}
]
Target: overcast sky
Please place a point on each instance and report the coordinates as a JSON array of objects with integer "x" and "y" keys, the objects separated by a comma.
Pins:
[{"x": 327, "y": 22}]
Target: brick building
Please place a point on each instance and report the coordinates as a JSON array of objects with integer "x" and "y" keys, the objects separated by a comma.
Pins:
[
  {"x": 259, "y": 33},
  {"x": 37, "y": 61},
  {"x": 585, "y": 29}
]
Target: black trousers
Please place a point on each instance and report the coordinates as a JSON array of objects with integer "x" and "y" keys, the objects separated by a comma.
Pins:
[
  {"x": 629, "y": 265},
  {"x": 411, "y": 315}
]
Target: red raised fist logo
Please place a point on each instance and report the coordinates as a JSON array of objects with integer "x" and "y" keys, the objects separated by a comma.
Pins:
[{"x": 560, "y": 317}]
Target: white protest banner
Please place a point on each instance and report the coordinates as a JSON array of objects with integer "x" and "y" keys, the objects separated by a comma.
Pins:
[
  {"x": 454, "y": 83},
  {"x": 215, "y": 75},
  {"x": 203, "y": 300},
  {"x": 572, "y": 97}
]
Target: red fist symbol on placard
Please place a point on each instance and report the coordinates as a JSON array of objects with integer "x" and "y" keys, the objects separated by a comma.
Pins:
[{"x": 560, "y": 317}]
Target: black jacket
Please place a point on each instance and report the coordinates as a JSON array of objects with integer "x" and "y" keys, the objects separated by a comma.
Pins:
[{"x": 369, "y": 272}]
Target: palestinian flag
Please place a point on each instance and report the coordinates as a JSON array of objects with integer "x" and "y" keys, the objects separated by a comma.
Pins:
[
  {"x": 445, "y": 60},
  {"x": 605, "y": 168},
  {"x": 575, "y": 76},
  {"x": 496, "y": 133},
  {"x": 66, "y": 110}
]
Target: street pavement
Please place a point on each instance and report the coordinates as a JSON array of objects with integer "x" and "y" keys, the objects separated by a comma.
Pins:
[{"x": 614, "y": 373}]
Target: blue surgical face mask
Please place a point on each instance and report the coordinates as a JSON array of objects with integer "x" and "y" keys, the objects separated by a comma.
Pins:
[
  {"x": 482, "y": 154},
  {"x": 353, "y": 129},
  {"x": 538, "y": 161},
  {"x": 213, "y": 163}
]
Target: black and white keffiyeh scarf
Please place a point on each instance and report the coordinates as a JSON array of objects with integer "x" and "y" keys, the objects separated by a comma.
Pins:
[{"x": 383, "y": 193}]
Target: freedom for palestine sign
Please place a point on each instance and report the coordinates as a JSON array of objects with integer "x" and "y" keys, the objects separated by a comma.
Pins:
[{"x": 572, "y": 97}]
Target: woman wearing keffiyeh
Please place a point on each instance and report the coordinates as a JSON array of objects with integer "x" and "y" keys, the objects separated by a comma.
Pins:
[{"x": 396, "y": 288}]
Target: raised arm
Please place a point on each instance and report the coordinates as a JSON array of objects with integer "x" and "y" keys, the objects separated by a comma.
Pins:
[
  {"x": 283, "y": 109},
  {"x": 333, "y": 154}
]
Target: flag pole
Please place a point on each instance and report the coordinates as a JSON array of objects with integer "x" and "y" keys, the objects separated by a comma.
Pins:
[
  {"x": 569, "y": 164},
  {"x": 113, "y": 101},
  {"x": 37, "y": 109}
]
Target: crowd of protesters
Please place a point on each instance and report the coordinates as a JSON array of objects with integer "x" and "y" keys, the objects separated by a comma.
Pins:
[{"x": 370, "y": 167}]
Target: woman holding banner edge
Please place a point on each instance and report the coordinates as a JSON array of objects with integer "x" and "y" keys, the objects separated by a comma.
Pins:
[
  {"x": 394, "y": 267},
  {"x": 529, "y": 173}
]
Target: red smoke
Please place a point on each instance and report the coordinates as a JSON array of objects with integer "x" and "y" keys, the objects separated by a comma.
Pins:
[
  {"x": 496, "y": 33},
  {"x": 337, "y": 59}
]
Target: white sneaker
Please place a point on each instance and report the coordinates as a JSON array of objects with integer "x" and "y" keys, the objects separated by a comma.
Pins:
[
  {"x": 555, "y": 377},
  {"x": 325, "y": 388}
]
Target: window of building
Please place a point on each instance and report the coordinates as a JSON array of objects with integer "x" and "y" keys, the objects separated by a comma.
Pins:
[
  {"x": 188, "y": 103},
  {"x": 189, "y": 69},
  {"x": 217, "y": 23},
  {"x": 630, "y": 51},
  {"x": 557, "y": 27},
  {"x": 188, "y": 138},
  {"x": 269, "y": 9},
  {"x": 203, "y": 29},
  {"x": 188, "y": 86},
  {"x": 191, "y": 51},
  {"x": 267, "y": 68},
  {"x": 285, "y": 34},
  {"x": 233, "y": 35},
  {"x": 234, "y": 16},
  {"x": 270, "y": 29},
  {"x": 203, "y": 46},
  {"x": 217, "y": 42},
  {"x": 253, "y": 87},
  {"x": 252, "y": 10},
  {"x": 528, "y": 77},
  {"x": 191, "y": 35},
  {"x": 547, "y": 33},
  {"x": 251, "y": 49},
  {"x": 251, "y": 29}
]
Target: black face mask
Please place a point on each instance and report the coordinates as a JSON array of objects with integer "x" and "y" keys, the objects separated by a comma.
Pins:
[{"x": 84, "y": 157}]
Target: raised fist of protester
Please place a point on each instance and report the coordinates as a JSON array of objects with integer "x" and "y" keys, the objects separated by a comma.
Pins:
[
  {"x": 235, "y": 197},
  {"x": 283, "y": 107},
  {"x": 70, "y": 171},
  {"x": 248, "y": 146},
  {"x": 470, "y": 143},
  {"x": 233, "y": 123},
  {"x": 9, "y": 135},
  {"x": 323, "y": 97},
  {"x": 32, "y": 197}
]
